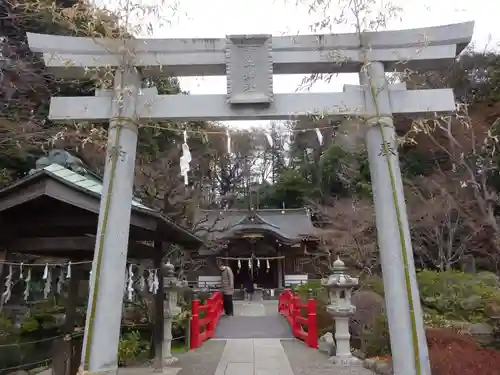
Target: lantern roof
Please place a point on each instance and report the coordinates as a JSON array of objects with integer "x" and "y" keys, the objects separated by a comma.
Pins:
[{"x": 339, "y": 279}]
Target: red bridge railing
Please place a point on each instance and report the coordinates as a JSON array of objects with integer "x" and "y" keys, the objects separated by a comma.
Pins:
[
  {"x": 204, "y": 319},
  {"x": 291, "y": 308}
]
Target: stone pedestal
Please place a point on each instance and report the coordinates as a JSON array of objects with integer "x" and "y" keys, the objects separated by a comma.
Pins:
[
  {"x": 339, "y": 286},
  {"x": 168, "y": 358},
  {"x": 171, "y": 286},
  {"x": 342, "y": 336}
]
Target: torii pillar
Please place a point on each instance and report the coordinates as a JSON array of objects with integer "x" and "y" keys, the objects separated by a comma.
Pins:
[
  {"x": 402, "y": 299},
  {"x": 104, "y": 309}
]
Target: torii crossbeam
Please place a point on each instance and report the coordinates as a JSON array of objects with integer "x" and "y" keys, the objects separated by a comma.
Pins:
[{"x": 154, "y": 107}]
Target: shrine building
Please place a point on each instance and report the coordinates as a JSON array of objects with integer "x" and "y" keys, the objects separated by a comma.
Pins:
[{"x": 272, "y": 246}]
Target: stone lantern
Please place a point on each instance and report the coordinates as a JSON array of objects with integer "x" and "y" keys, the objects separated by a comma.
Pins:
[
  {"x": 339, "y": 286},
  {"x": 171, "y": 285}
]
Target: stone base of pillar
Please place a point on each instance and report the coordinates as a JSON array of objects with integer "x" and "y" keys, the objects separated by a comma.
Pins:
[
  {"x": 346, "y": 361},
  {"x": 160, "y": 368},
  {"x": 170, "y": 361}
]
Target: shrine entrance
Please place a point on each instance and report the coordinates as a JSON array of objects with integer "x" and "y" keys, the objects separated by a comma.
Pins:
[
  {"x": 249, "y": 62},
  {"x": 260, "y": 243},
  {"x": 263, "y": 272}
]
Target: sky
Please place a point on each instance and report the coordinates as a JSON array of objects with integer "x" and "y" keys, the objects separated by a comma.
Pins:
[{"x": 218, "y": 18}]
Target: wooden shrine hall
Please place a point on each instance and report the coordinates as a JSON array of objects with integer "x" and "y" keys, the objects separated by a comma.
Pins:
[
  {"x": 54, "y": 210},
  {"x": 53, "y": 213},
  {"x": 269, "y": 245}
]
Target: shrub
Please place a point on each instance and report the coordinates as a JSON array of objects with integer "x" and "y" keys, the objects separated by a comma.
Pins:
[
  {"x": 454, "y": 354},
  {"x": 375, "y": 340},
  {"x": 373, "y": 283},
  {"x": 179, "y": 325},
  {"x": 44, "y": 313},
  {"x": 314, "y": 285},
  {"x": 453, "y": 295},
  {"x": 29, "y": 324},
  {"x": 456, "y": 295},
  {"x": 6, "y": 326},
  {"x": 131, "y": 348},
  {"x": 369, "y": 305},
  {"x": 488, "y": 278},
  {"x": 436, "y": 320},
  {"x": 324, "y": 319},
  {"x": 450, "y": 295}
]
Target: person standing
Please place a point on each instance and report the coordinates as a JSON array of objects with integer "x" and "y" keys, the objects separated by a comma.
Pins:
[{"x": 227, "y": 280}]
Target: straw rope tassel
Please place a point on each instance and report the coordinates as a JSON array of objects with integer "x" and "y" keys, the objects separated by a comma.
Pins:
[
  {"x": 47, "y": 275},
  {"x": 269, "y": 139},
  {"x": 319, "y": 136},
  {"x": 27, "y": 287},
  {"x": 185, "y": 160},
  {"x": 8, "y": 286},
  {"x": 228, "y": 142},
  {"x": 130, "y": 284},
  {"x": 156, "y": 282}
]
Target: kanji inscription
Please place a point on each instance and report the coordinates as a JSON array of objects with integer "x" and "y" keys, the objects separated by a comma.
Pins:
[{"x": 249, "y": 69}]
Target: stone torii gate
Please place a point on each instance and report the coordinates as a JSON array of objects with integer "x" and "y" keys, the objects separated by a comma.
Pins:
[{"x": 249, "y": 61}]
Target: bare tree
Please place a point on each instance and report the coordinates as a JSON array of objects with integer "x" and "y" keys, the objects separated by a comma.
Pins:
[
  {"x": 471, "y": 143},
  {"x": 441, "y": 233},
  {"x": 348, "y": 230}
]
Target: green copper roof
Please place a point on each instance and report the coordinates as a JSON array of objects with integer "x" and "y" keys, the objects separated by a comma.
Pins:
[{"x": 93, "y": 185}]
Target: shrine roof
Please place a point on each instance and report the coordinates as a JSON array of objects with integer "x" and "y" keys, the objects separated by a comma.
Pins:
[
  {"x": 88, "y": 182},
  {"x": 288, "y": 226},
  {"x": 84, "y": 191}
]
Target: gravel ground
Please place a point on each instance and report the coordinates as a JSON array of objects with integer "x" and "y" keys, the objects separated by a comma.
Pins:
[
  {"x": 202, "y": 361},
  {"x": 305, "y": 361}
]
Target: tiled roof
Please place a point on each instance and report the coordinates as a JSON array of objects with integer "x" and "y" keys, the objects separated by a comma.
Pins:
[
  {"x": 292, "y": 224},
  {"x": 93, "y": 185}
]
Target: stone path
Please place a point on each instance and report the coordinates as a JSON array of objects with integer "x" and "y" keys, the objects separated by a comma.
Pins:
[
  {"x": 252, "y": 320},
  {"x": 254, "y": 357},
  {"x": 202, "y": 361},
  {"x": 258, "y": 341},
  {"x": 252, "y": 328},
  {"x": 263, "y": 346},
  {"x": 259, "y": 357},
  {"x": 255, "y": 341},
  {"x": 306, "y": 361}
]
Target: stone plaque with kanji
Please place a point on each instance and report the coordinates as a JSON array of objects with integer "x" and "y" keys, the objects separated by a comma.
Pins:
[{"x": 249, "y": 69}]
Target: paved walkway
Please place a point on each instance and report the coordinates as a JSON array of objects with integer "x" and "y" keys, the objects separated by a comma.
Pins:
[
  {"x": 252, "y": 320},
  {"x": 257, "y": 341},
  {"x": 254, "y": 352},
  {"x": 254, "y": 357},
  {"x": 258, "y": 357}
]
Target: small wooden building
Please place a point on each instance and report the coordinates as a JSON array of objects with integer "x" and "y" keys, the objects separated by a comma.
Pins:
[{"x": 53, "y": 212}]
